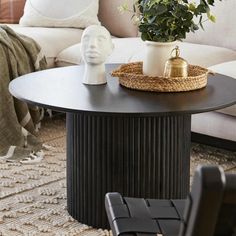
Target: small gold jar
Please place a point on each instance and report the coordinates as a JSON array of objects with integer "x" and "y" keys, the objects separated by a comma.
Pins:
[{"x": 176, "y": 66}]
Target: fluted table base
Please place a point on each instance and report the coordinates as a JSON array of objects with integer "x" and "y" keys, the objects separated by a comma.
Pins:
[{"x": 137, "y": 156}]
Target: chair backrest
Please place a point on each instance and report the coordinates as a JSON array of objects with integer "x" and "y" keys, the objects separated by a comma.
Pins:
[
  {"x": 226, "y": 223},
  {"x": 211, "y": 206},
  {"x": 210, "y": 209}
]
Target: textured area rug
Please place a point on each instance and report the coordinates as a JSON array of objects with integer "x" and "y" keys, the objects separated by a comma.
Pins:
[{"x": 33, "y": 196}]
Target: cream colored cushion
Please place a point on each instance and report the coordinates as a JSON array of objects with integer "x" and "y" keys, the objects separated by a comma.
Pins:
[
  {"x": 51, "y": 40},
  {"x": 69, "y": 56},
  {"x": 196, "y": 54},
  {"x": 132, "y": 49},
  {"x": 229, "y": 69},
  {"x": 118, "y": 24},
  {"x": 60, "y": 13},
  {"x": 214, "y": 124},
  {"x": 223, "y": 32},
  {"x": 124, "y": 50}
]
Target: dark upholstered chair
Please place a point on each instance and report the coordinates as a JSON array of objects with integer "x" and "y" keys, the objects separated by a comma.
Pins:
[{"x": 209, "y": 210}]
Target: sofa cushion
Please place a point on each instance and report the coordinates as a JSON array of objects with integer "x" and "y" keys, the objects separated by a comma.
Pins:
[
  {"x": 132, "y": 49},
  {"x": 118, "y": 24},
  {"x": 62, "y": 13},
  {"x": 214, "y": 124},
  {"x": 52, "y": 40},
  {"x": 11, "y": 11},
  {"x": 228, "y": 69},
  {"x": 124, "y": 50},
  {"x": 223, "y": 32},
  {"x": 202, "y": 55}
]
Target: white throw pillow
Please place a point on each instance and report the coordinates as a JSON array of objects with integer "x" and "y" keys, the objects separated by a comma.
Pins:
[{"x": 60, "y": 13}]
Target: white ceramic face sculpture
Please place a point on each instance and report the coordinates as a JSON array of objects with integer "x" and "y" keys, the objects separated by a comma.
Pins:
[{"x": 96, "y": 46}]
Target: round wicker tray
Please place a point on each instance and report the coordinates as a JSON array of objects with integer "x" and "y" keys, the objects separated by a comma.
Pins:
[{"x": 130, "y": 75}]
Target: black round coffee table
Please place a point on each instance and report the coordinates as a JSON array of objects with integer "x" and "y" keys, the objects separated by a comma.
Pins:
[{"x": 133, "y": 142}]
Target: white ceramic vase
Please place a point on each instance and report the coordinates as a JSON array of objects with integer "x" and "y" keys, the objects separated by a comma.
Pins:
[{"x": 156, "y": 56}]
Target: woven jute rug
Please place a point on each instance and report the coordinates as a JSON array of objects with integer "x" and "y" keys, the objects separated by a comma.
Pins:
[{"x": 33, "y": 196}]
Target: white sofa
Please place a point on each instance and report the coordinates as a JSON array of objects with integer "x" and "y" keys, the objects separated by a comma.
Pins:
[{"x": 215, "y": 48}]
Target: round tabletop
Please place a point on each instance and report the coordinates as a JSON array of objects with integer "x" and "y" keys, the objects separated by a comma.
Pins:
[{"x": 62, "y": 89}]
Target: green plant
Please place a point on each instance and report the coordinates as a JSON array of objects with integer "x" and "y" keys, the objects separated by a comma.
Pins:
[{"x": 170, "y": 20}]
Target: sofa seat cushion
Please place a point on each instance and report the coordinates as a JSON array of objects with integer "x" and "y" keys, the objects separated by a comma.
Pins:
[
  {"x": 214, "y": 124},
  {"x": 202, "y": 55},
  {"x": 125, "y": 49},
  {"x": 51, "y": 40},
  {"x": 227, "y": 68},
  {"x": 132, "y": 49}
]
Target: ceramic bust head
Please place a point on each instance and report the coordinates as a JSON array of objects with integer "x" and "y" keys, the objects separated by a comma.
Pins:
[{"x": 96, "y": 46}]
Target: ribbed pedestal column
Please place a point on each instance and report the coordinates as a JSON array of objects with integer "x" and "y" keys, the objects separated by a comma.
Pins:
[{"x": 136, "y": 156}]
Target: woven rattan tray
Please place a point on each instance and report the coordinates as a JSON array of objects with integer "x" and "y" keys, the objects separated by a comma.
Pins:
[{"x": 130, "y": 75}]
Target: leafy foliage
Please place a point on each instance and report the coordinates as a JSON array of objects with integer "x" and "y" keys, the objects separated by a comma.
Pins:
[{"x": 170, "y": 20}]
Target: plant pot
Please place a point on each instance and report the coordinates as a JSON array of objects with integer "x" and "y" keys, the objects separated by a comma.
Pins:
[{"x": 156, "y": 56}]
